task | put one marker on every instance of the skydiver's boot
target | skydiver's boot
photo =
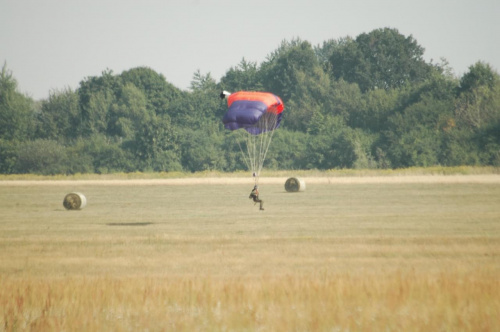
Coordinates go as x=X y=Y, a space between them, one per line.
x=262 y=205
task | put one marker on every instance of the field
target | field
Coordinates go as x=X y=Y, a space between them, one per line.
x=406 y=253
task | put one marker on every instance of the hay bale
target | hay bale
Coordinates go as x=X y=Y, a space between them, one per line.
x=294 y=185
x=74 y=201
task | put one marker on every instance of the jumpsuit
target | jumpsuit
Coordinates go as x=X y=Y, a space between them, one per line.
x=255 y=196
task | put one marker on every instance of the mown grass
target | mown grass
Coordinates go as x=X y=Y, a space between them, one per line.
x=344 y=257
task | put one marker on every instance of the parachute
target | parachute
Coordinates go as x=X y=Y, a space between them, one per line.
x=257 y=114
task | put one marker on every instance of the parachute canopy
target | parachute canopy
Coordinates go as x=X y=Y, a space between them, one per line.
x=256 y=112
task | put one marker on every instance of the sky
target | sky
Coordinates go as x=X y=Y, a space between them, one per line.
x=51 y=45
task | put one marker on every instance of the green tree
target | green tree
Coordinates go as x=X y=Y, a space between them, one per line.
x=156 y=145
x=382 y=59
x=200 y=107
x=106 y=155
x=423 y=114
x=202 y=150
x=288 y=150
x=16 y=110
x=8 y=156
x=58 y=117
x=233 y=151
x=372 y=113
x=344 y=100
x=128 y=112
x=79 y=158
x=96 y=96
x=488 y=141
x=313 y=93
x=479 y=74
x=244 y=76
x=416 y=146
x=325 y=51
x=281 y=70
x=478 y=102
x=478 y=111
x=201 y=82
x=342 y=148
x=336 y=145
x=458 y=147
x=158 y=92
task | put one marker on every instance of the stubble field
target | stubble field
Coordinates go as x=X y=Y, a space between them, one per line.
x=350 y=254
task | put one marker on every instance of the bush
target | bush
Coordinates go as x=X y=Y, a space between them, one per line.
x=42 y=156
x=8 y=156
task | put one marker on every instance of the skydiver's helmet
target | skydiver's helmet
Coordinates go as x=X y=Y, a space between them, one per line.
x=256 y=187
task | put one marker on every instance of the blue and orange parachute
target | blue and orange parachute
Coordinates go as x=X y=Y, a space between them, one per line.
x=258 y=114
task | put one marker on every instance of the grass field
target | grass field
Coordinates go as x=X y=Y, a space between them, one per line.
x=350 y=255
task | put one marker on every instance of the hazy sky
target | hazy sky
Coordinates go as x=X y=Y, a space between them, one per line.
x=53 y=44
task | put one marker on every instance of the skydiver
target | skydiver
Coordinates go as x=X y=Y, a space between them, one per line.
x=255 y=196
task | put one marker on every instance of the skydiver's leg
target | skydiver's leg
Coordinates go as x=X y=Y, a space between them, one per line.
x=256 y=200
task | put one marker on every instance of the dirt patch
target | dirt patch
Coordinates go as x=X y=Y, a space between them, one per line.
x=133 y=224
x=486 y=179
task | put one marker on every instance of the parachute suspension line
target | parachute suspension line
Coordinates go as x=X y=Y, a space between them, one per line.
x=246 y=158
x=252 y=148
x=248 y=152
x=256 y=122
x=257 y=146
x=269 y=134
x=250 y=155
x=255 y=160
x=263 y=141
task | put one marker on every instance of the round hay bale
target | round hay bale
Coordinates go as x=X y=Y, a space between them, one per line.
x=294 y=185
x=74 y=201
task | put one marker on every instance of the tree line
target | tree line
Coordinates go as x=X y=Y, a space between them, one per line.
x=365 y=102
